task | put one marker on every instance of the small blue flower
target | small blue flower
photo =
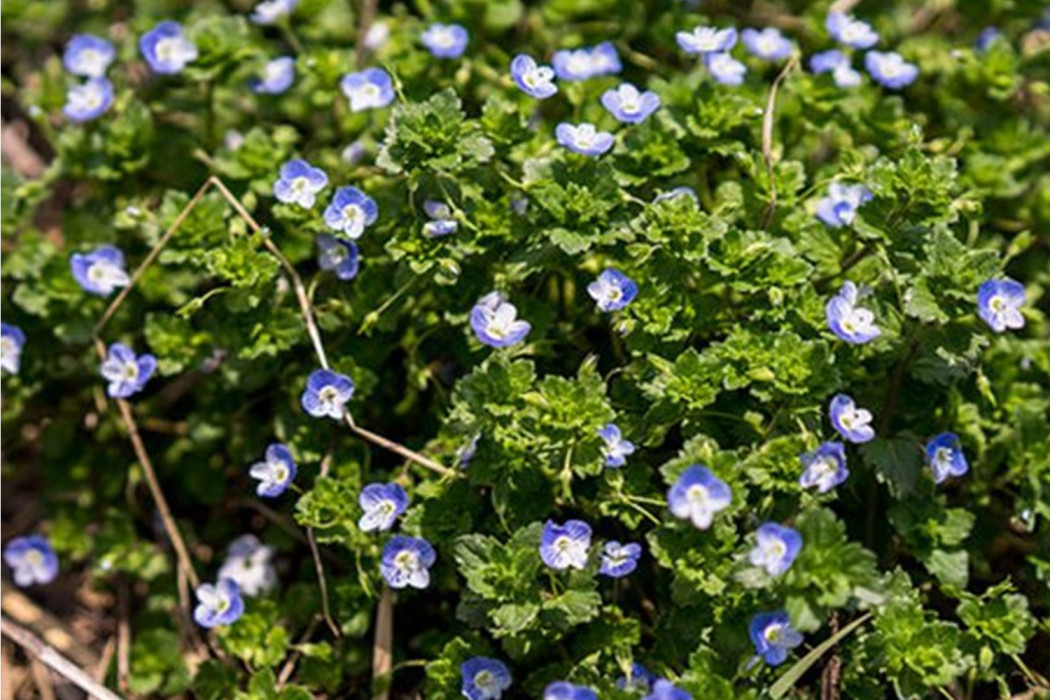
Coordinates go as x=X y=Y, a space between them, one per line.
x=31 y=560
x=838 y=64
x=88 y=55
x=446 y=40
x=640 y=678
x=337 y=255
x=999 y=303
x=584 y=63
x=605 y=60
x=773 y=636
x=725 y=69
x=277 y=76
x=533 y=79
x=248 y=564
x=368 y=89
x=100 y=271
x=275 y=473
x=986 y=38
x=767 y=43
x=704 y=40
x=616 y=449
x=350 y=212
x=776 y=547
x=299 y=182
x=849 y=31
x=683 y=191
x=563 y=690
x=495 y=322
x=824 y=467
x=629 y=105
x=850 y=322
x=219 y=604
x=584 y=139
x=466 y=453
x=613 y=290
x=382 y=504
x=852 y=423
x=166 y=50
x=565 y=546
x=273 y=11
x=890 y=70
x=664 y=689
x=326 y=394
x=406 y=562
x=12 y=340
x=945 y=456
x=698 y=495
x=353 y=153
x=89 y=100
x=126 y=372
x=484 y=678
x=441 y=223
x=618 y=560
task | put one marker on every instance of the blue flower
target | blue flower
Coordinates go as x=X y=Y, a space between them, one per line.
x=605 y=60
x=613 y=290
x=89 y=100
x=986 y=38
x=850 y=322
x=852 y=423
x=125 y=372
x=698 y=495
x=664 y=689
x=275 y=473
x=273 y=11
x=219 y=604
x=776 y=547
x=406 y=562
x=338 y=256
x=88 y=55
x=353 y=153
x=12 y=340
x=584 y=63
x=31 y=560
x=618 y=560
x=824 y=467
x=839 y=208
x=326 y=394
x=683 y=191
x=999 y=303
x=629 y=105
x=889 y=69
x=277 y=76
x=563 y=690
x=640 y=678
x=849 y=31
x=165 y=49
x=773 y=636
x=533 y=79
x=446 y=40
x=704 y=40
x=382 y=503
x=350 y=212
x=484 y=678
x=299 y=182
x=466 y=453
x=368 y=89
x=248 y=564
x=616 y=449
x=100 y=271
x=584 y=139
x=767 y=43
x=725 y=69
x=838 y=64
x=495 y=322
x=945 y=456
x=565 y=546
x=441 y=223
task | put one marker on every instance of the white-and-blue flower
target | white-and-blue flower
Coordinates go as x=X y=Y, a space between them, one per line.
x=587 y=62
x=534 y=79
x=12 y=340
x=382 y=504
x=441 y=222
x=663 y=689
x=565 y=546
x=218 y=604
x=725 y=69
x=406 y=562
x=773 y=636
x=849 y=31
x=629 y=105
x=299 y=183
x=484 y=678
x=350 y=212
x=326 y=394
x=32 y=560
x=838 y=64
x=126 y=372
x=697 y=495
x=986 y=38
x=640 y=678
x=776 y=547
x=166 y=49
x=584 y=138
x=277 y=76
x=840 y=207
x=850 y=322
x=767 y=43
x=890 y=70
x=945 y=456
x=89 y=100
x=88 y=55
x=999 y=303
x=674 y=193
x=337 y=255
x=616 y=448
x=706 y=40
x=824 y=468
x=564 y=690
x=273 y=11
x=466 y=452
x=618 y=560
x=371 y=88
x=248 y=564
x=849 y=421
x=446 y=40
x=495 y=322
x=613 y=290
x=276 y=472
x=101 y=271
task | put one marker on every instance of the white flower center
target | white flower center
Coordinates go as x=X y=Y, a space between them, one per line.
x=328 y=394
x=697 y=496
x=131 y=371
x=406 y=561
x=34 y=558
x=773 y=633
x=352 y=213
x=998 y=304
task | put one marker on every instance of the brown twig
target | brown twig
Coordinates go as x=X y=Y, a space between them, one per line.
x=123 y=637
x=20 y=608
x=18 y=153
x=831 y=678
x=383 y=646
x=767 y=137
x=293 y=658
x=315 y=552
x=368 y=13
